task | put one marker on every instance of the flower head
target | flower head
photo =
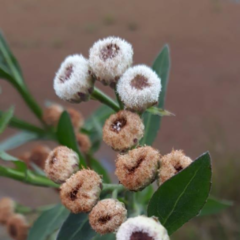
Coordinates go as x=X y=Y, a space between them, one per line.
x=81 y=191
x=139 y=88
x=61 y=163
x=107 y=216
x=123 y=130
x=83 y=142
x=76 y=118
x=73 y=82
x=18 y=227
x=38 y=156
x=109 y=59
x=172 y=164
x=142 y=228
x=138 y=168
x=51 y=114
x=7 y=206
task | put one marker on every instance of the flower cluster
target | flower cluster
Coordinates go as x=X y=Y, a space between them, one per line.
x=137 y=166
x=16 y=224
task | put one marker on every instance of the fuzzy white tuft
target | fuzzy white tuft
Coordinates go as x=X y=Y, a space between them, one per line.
x=109 y=58
x=73 y=82
x=142 y=224
x=139 y=88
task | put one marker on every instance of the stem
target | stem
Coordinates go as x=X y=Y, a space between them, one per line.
x=121 y=105
x=112 y=187
x=103 y=98
x=27 y=177
x=115 y=194
x=26 y=210
x=21 y=124
x=29 y=100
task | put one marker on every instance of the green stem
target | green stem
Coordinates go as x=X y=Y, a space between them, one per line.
x=27 y=177
x=112 y=187
x=29 y=100
x=120 y=103
x=103 y=98
x=21 y=124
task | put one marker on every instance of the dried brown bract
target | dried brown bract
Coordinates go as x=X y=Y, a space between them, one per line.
x=18 y=227
x=107 y=216
x=172 y=164
x=81 y=191
x=61 y=163
x=138 y=168
x=123 y=130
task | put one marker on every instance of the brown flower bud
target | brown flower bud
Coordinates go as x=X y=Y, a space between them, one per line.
x=123 y=130
x=52 y=114
x=83 y=142
x=107 y=216
x=39 y=155
x=18 y=227
x=7 y=207
x=142 y=228
x=61 y=163
x=172 y=164
x=76 y=118
x=138 y=168
x=81 y=191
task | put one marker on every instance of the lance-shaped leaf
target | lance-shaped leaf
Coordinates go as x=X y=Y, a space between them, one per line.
x=5 y=118
x=152 y=122
x=48 y=222
x=159 y=112
x=214 y=206
x=76 y=227
x=66 y=136
x=21 y=166
x=183 y=196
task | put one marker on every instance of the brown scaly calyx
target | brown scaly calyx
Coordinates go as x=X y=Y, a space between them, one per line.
x=140 y=82
x=138 y=168
x=81 y=191
x=107 y=216
x=172 y=164
x=110 y=51
x=123 y=130
x=140 y=236
x=67 y=74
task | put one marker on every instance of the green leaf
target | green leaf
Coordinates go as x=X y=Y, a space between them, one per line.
x=183 y=196
x=110 y=236
x=48 y=222
x=97 y=166
x=159 y=112
x=21 y=166
x=66 y=136
x=152 y=123
x=214 y=206
x=76 y=227
x=17 y=140
x=8 y=60
x=20 y=124
x=5 y=119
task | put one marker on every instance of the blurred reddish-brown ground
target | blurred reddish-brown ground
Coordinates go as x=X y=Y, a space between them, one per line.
x=204 y=84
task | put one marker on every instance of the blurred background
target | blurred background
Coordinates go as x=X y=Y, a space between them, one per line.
x=203 y=90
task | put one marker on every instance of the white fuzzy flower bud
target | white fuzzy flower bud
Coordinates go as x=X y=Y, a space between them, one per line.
x=109 y=59
x=61 y=163
x=73 y=82
x=139 y=88
x=142 y=228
